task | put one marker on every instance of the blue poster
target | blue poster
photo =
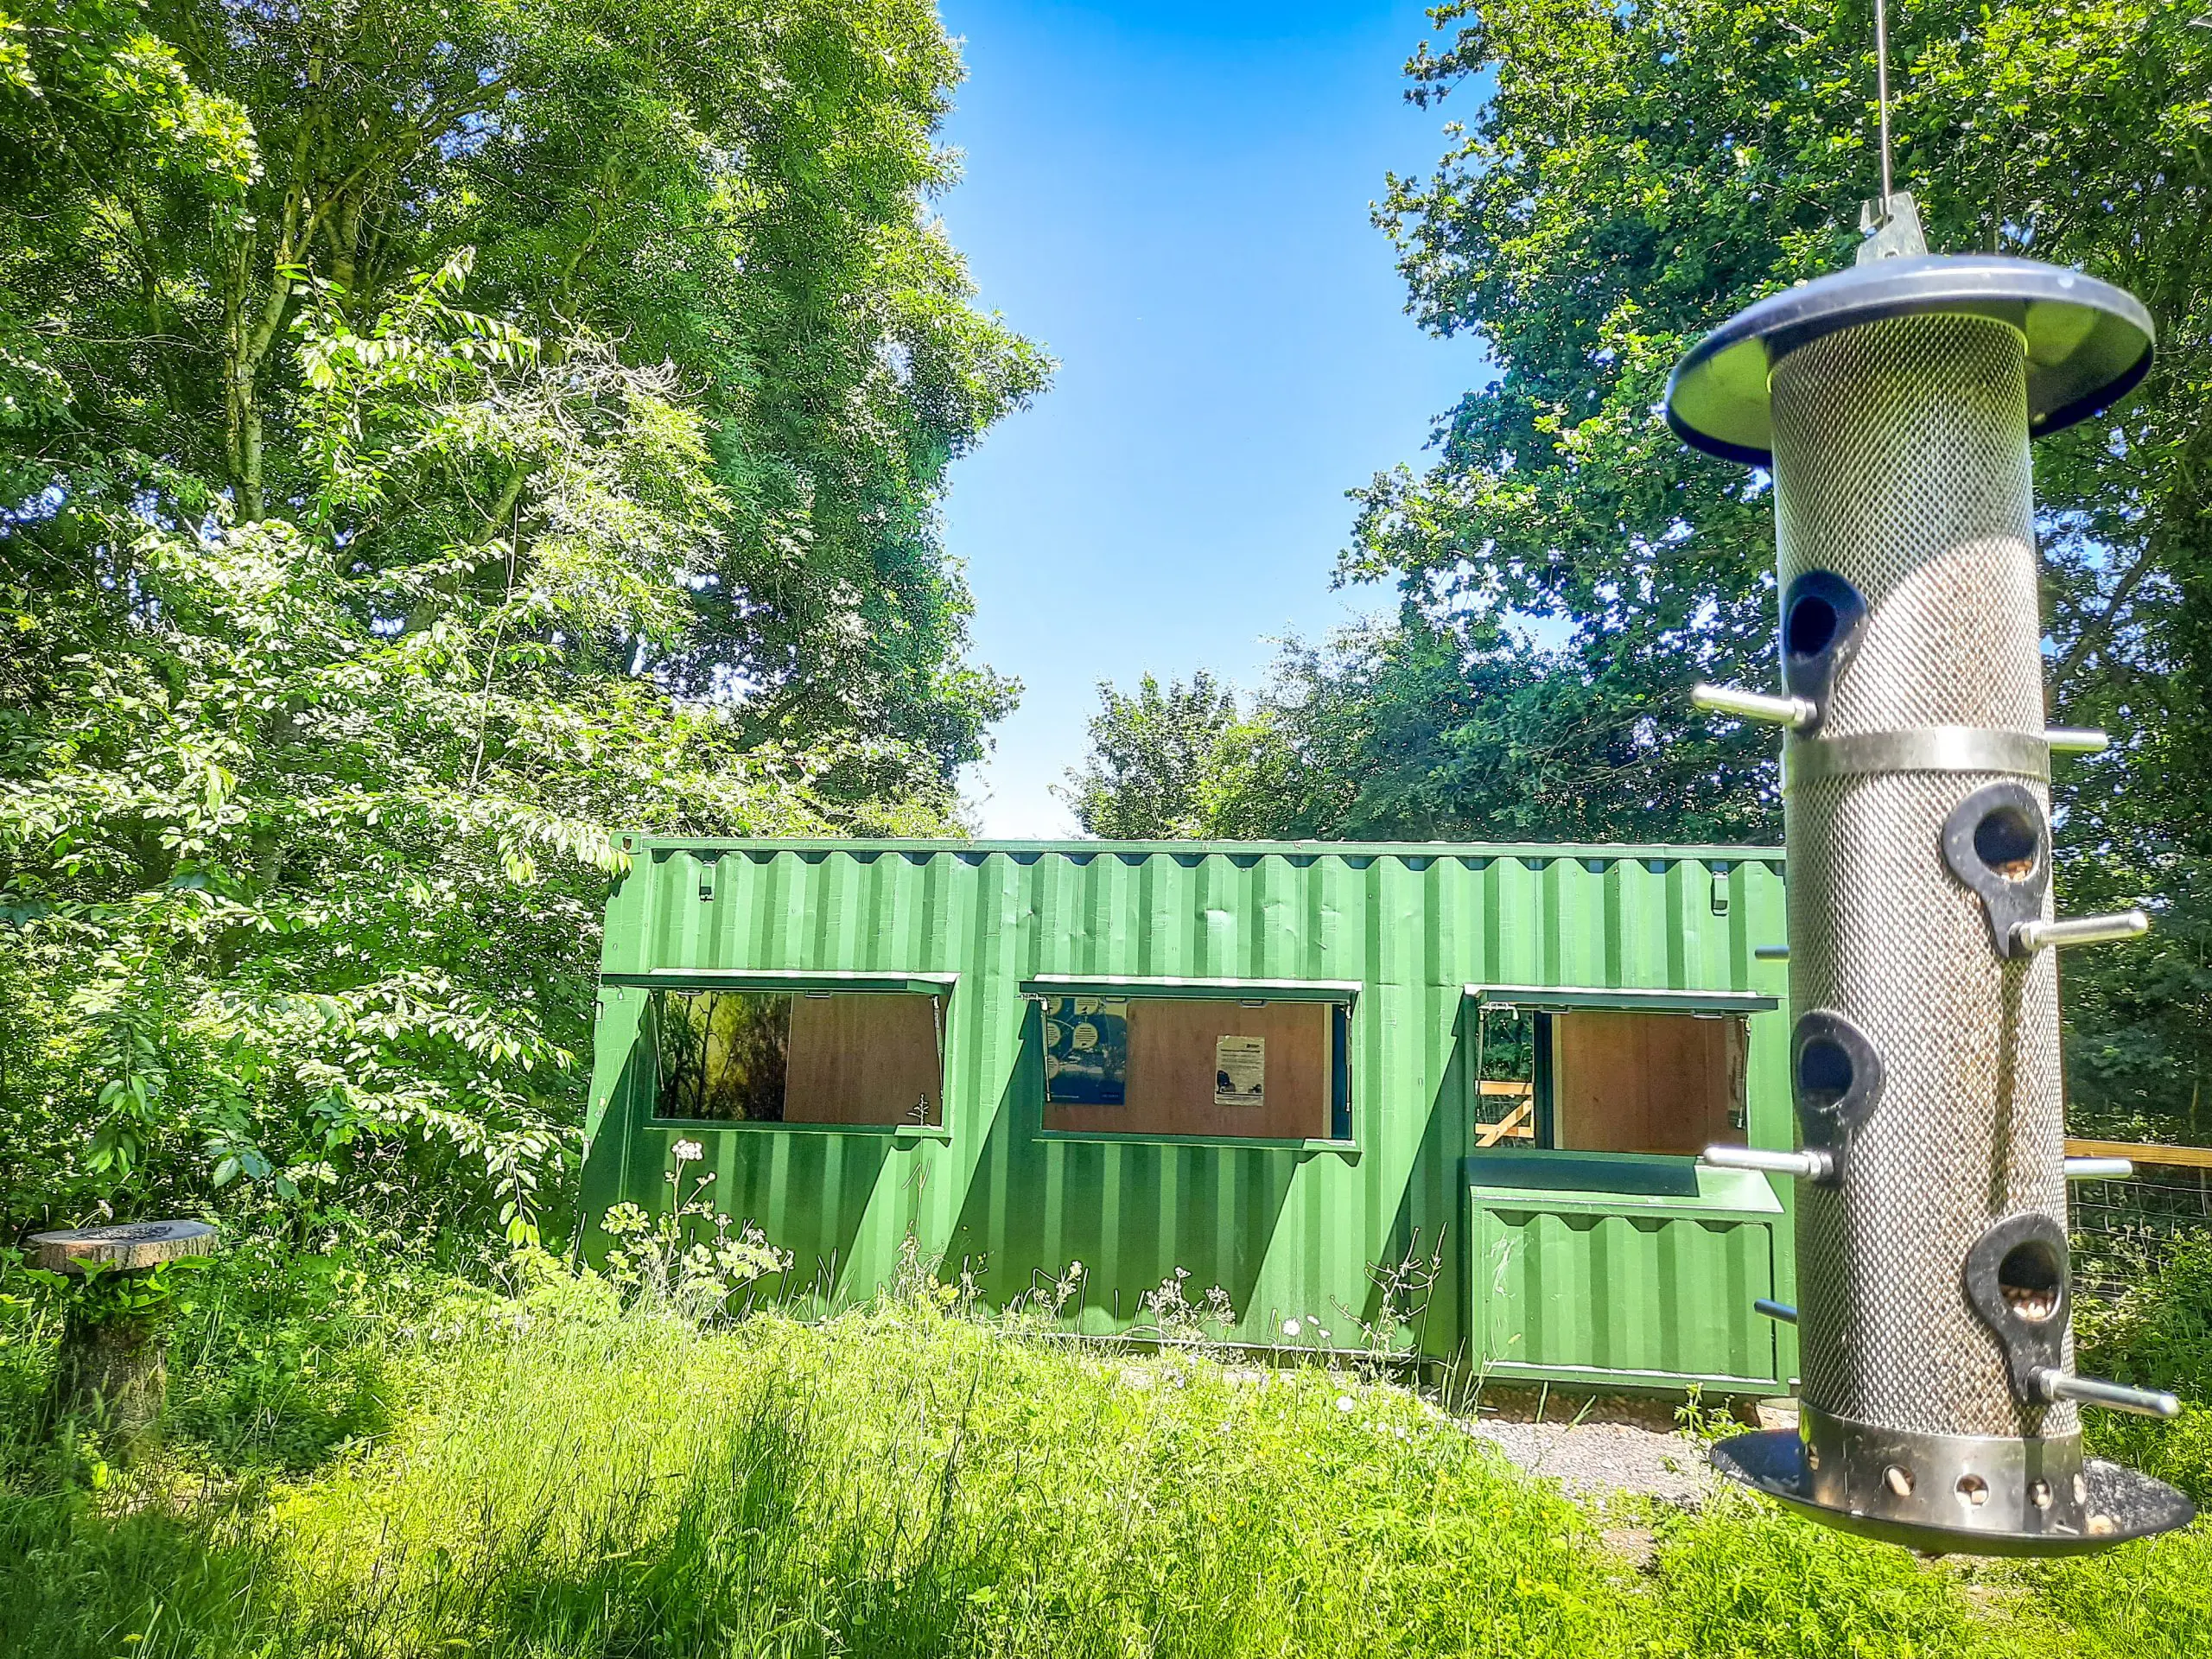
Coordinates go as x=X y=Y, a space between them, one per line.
x=1086 y=1050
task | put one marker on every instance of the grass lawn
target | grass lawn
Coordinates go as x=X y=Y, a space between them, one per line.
x=395 y=1468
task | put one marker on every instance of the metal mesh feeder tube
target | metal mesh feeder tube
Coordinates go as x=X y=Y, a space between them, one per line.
x=1895 y=404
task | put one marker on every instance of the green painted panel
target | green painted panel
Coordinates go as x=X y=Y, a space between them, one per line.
x=1288 y=1229
x=1626 y=1298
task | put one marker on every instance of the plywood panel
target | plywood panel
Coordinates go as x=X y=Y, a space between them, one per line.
x=864 y=1058
x=1170 y=1072
x=1651 y=1083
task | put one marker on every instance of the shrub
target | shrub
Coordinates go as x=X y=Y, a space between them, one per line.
x=2158 y=1335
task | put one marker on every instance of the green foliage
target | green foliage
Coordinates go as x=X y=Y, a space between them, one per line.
x=2158 y=1335
x=275 y=1359
x=280 y=1359
x=736 y=197
x=2139 y=1022
x=310 y=890
x=2153 y=1600
x=88 y=90
x=1152 y=755
x=580 y=1481
x=555 y=1472
x=1743 y=1581
x=1640 y=172
x=2143 y=1601
x=101 y=1293
x=344 y=616
x=1399 y=732
x=2159 y=1332
x=689 y=1256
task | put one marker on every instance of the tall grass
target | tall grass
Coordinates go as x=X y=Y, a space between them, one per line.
x=556 y=1476
x=2159 y=1335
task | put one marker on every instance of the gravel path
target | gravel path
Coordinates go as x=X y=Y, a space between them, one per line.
x=1598 y=1459
x=1619 y=1445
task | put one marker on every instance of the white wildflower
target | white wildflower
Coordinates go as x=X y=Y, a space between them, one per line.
x=1344 y=1402
x=688 y=1152
x=1291 y=1327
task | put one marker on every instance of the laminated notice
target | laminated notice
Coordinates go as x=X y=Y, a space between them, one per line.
x=1240 y=1071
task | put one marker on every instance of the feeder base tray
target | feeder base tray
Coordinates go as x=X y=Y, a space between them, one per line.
x=2134 y=1505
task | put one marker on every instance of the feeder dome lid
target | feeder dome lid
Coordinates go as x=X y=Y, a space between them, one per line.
x=2088 y=342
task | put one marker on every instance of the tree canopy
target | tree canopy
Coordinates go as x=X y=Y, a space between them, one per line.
x=1152 y=754
x=432 y=436
x=1632 y=175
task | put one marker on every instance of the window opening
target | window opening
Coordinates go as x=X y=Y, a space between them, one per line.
x=1248 y=1068
x=1506 y=1105
x=813 y=1056
x=1609 y=1079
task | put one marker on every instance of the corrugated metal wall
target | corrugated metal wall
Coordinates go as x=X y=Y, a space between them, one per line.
x=1562 y=1289
x=1288 y=1230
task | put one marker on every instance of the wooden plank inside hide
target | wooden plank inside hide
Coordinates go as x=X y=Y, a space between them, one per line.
x=864 y=1058
x=1646 y=1082
x=1519 y=1124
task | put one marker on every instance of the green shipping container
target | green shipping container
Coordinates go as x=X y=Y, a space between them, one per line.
x=1284 y=1070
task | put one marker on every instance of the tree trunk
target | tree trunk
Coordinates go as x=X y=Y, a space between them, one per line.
x=241 y=389
x=111 y=1374
x=254 y=322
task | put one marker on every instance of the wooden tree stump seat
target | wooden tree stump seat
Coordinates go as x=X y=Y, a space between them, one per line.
x=130 y=1245
x=111 y=1368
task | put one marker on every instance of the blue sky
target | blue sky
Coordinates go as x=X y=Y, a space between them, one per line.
x=1174 y=200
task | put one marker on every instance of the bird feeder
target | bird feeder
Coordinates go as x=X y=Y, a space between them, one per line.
x=1894 y=404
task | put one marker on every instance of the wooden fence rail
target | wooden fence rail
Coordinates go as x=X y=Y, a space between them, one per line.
x=2144 y=1151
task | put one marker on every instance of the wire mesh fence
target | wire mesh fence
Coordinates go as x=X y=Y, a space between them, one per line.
x=2122 y=1227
